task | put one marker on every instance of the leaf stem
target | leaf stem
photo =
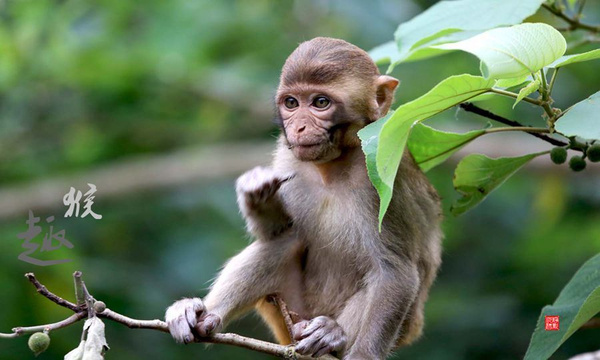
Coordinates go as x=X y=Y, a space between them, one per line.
x=580 y=9
x=514 y=95
x=518 y=128
x=552 y=79
x=544 y=86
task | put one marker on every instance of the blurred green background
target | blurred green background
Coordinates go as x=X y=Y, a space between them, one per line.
x=162 y=105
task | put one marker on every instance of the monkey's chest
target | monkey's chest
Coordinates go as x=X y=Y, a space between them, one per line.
x=337 y=231
x=341 y=220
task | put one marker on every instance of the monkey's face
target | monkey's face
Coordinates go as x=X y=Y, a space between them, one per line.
x=314 y=122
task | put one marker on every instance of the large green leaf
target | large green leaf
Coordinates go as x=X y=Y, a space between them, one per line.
x=369 y=137
x=582 y=119
x=447 y=17
x=477 y=175
x=578 y=302
x=513 y=51
x=431 y=147
x=575 y=58
x=394 y=133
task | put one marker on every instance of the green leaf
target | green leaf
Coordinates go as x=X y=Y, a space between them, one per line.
x=582 y=119
x=477 y=175
x=395 y=131
x=385 y=53
x=431 y=147
x=525 y=91
x=575 y=58
x=369 y=137
x=513 y=51
x=512 y=82
x=446 y=17
x=578 y=302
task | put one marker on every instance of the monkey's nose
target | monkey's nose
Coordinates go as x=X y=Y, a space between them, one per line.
x=301 y=128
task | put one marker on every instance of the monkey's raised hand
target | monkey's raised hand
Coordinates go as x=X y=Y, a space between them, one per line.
x=188 y=319
x=319 y=336
x=257 y=188
x=260 y=204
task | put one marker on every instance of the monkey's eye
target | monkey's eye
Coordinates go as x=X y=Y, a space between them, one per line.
x=321 y=102
x=290 y=102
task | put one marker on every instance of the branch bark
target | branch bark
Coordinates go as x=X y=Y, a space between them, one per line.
x=470 y=107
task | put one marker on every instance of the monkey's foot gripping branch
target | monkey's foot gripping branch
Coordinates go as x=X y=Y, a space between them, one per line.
x=88 y=307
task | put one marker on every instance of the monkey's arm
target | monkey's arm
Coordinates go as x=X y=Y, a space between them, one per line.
x=261 y=269
x=257 y=271
x=260 y=202
x=373 y=316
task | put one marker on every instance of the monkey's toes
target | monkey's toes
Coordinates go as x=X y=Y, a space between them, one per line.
x=319 y=336
x=208 y=325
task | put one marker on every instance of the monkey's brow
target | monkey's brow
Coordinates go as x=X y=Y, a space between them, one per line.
x=304 y=88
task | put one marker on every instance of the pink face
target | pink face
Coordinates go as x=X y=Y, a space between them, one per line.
x=308 y=116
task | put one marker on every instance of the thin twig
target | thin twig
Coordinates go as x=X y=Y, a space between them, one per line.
x=134 y=323
x=278 y=301
x=470 y=107
x=21 y=330
x=573 y=23
x=79 y=295
x=41 y=289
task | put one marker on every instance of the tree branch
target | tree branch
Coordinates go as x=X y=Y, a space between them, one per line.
x=81 y=312
x=41 y=289
x=574 y=23
x=18 y=331
x=470 y=107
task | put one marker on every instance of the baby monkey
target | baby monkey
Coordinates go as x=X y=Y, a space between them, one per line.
x=313 y=214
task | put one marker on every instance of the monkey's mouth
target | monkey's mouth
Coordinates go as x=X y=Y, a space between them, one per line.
x=309 y=151
x=307 y=146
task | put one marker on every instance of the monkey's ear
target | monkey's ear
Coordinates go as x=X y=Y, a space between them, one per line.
x=385 y=87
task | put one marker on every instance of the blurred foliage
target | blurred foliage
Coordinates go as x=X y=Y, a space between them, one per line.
x=88 y=83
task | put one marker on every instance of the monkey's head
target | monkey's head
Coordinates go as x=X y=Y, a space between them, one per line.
x=328 y=90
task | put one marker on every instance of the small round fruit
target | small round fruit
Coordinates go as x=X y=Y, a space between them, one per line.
x=99 y=306
x=593 y=153
x=38 y=342
x=577 y=163
x=558 y=155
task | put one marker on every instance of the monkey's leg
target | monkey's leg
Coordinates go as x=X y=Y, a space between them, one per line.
x=257 y=271
x=373 y=316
